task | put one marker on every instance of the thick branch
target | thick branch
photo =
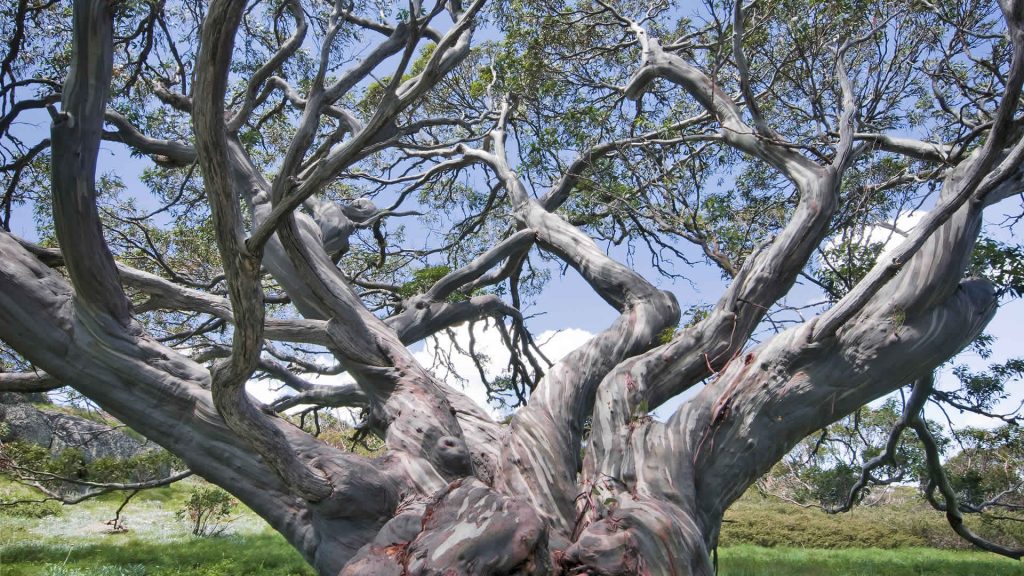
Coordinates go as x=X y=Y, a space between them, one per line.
x=165 y=396
x=697 y=352
x=480 y=265
x=261 y=75
x=954 y=515
x=911 y=411
x=963 y=185
x=165 y=152
x=918 y=149
x=659 y=64
x=75 y=137
x=309 y=393
x=546 y=433
x=791 y=385
x=241 y=267
x=410 y=404
x=28 y=382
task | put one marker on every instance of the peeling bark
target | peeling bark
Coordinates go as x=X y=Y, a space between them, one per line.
x=455 y=492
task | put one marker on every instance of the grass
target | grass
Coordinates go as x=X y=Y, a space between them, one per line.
x=748 y=560
x=265 y=554
x=762 y=537
x=77 y=542
x=905 y=522
x=269 y=554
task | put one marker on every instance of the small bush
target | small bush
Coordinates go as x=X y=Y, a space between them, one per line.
x=142 y=467
x=208 y=510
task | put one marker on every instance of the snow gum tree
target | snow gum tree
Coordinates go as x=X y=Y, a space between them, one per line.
x=291 y=145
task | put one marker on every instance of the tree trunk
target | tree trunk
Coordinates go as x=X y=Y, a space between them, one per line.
x=457 y=493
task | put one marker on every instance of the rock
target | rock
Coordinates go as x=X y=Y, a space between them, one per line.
x=59 y=431
x=95 y=440
x=24 y=422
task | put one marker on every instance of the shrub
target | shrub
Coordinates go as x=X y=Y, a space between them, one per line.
x=141 y=467
x=208 y=510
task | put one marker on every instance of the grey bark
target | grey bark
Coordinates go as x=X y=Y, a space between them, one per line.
x=456 y=492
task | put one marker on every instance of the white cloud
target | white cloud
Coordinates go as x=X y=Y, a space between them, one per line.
x=890 y=233
x=446 y=354
x=444 y=349
x=267 y=390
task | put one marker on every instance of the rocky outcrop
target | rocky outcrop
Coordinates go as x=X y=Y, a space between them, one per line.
x=58 y=431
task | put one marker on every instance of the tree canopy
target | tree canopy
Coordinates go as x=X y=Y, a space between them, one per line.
x=325 y=184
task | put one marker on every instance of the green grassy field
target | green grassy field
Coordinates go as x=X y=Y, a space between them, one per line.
x=269 y=555
x=759 y=561
x=77 y=543
x=258 y=555
x=905 y=521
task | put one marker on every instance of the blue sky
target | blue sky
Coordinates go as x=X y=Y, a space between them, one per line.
x=568 y=304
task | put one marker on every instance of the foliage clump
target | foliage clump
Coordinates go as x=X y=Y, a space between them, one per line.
x=208 y=511
x=58 y=472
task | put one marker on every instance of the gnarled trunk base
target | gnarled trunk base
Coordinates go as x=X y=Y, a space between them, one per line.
x=470 y=529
